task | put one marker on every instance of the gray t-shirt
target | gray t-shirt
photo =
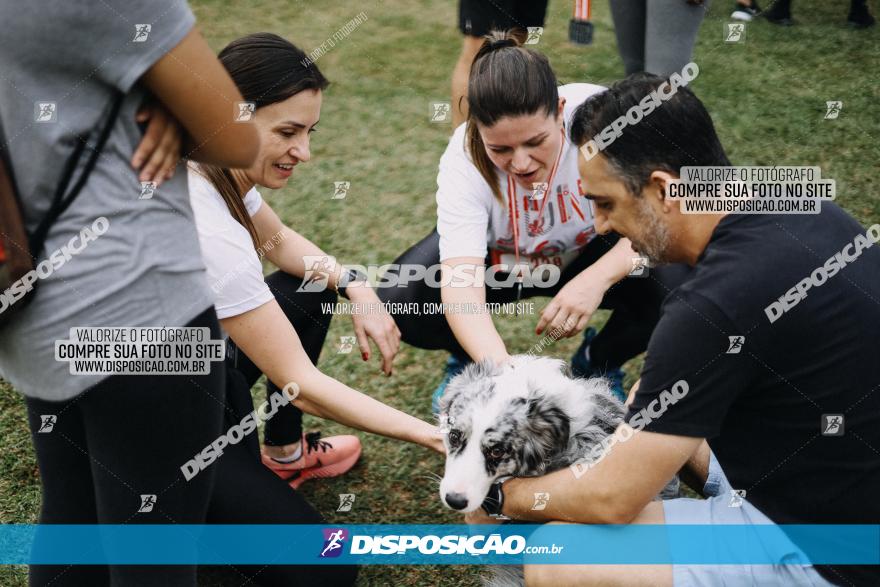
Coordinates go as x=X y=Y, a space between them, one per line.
x=146 y=270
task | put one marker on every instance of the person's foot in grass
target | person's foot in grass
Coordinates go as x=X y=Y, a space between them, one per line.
x=859 y=15
x=745 y=10
x=581 y=366
x=454 y=366
x=779 y=13
x=316 y=458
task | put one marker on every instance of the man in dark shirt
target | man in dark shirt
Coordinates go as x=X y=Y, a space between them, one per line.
x=762 y=377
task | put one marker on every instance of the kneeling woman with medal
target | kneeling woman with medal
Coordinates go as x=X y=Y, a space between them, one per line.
x=513 y=222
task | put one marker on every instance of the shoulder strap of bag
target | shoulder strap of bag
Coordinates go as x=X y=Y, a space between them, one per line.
x=15 y=259
x=60 y=201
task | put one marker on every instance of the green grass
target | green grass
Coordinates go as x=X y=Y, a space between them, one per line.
x=767 y=97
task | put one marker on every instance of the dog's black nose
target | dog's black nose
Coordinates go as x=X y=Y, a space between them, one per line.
x=456 y=501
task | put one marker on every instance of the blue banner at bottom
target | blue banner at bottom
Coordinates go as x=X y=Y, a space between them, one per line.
x=439 y=544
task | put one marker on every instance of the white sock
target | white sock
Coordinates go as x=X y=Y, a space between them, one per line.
x=294 y=457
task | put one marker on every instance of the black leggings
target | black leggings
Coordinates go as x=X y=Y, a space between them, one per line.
x=303 y=309
x=129 y=436
x=635 y=303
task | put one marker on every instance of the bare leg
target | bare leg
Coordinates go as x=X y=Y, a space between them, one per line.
x=610 y=575
x=696 y=469
x=282 y=452
x=460 y=78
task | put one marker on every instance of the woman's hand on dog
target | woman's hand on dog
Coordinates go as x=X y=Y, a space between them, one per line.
x=378 y=326
x=435 y=441
x=158 y=153
x=570 y=310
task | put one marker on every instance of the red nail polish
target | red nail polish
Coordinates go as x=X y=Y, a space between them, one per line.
x=365 y=356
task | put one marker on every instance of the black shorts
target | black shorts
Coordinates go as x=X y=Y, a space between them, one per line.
x=478 y=17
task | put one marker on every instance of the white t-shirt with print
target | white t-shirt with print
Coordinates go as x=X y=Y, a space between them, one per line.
x=235 y=274
x=471 y=221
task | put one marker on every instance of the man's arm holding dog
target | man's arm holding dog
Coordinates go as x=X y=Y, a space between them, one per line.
x=616 y=489
x=613 y=491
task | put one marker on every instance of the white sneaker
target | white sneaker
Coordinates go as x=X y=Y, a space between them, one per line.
x=745 y=13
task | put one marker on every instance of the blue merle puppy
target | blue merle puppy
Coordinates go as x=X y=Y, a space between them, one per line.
x=522 y=419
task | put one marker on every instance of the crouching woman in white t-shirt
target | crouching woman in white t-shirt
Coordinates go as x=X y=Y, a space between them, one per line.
x=275 y=327
x=509 y=193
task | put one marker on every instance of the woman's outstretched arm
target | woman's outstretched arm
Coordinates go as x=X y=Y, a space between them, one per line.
x=265 y=335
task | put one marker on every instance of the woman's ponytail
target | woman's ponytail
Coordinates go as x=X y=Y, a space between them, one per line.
x=506 y=79
x=224 y=182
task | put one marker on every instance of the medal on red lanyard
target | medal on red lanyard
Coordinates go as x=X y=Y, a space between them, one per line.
x=513 y=210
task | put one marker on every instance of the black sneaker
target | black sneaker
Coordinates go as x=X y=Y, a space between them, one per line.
x=745 y=13
x=859 y=16
x=779 y=14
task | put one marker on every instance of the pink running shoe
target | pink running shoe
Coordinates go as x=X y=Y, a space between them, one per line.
x=321 y=458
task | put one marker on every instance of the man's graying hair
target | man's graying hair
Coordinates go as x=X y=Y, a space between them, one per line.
x=678 y=133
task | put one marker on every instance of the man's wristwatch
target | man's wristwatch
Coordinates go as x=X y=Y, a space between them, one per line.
x=495 y=501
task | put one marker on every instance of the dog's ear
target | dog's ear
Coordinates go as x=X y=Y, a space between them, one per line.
x=546 y=432
x=474 y=382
